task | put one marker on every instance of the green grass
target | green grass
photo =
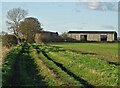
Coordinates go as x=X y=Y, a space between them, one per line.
x=7 y=66
x=56 y=76
x=19 y=68
x=107 y=51
x=93 y=70
x=35 y=68
x=63 y=77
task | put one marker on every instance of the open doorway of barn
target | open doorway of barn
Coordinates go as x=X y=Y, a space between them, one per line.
x=83 y=37
x=103 y=37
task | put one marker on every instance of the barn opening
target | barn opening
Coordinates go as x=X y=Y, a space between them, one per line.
x=103 y=37
x=83 y=37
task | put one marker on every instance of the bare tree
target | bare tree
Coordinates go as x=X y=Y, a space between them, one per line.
x=14 y=16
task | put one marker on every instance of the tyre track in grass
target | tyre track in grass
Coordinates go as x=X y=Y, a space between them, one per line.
x=22 y=75
x=14 y=79
x=58 y=76
x=82 y=81
x=87 y=53
x=30 y=73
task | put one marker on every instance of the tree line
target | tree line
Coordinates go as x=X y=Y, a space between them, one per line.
x=23 y=28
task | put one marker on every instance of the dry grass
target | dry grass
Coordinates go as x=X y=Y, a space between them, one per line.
x=3 y=52
x=0 y=55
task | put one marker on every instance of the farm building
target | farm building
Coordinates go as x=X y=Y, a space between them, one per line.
x=46 y=36
x=92 y=35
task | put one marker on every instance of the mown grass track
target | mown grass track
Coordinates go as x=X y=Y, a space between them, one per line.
x=14 y=79
x=82 y=81
x=22 y=72
x=28 y=70
x=38 y=65
x=61 y=75
x=95 y=71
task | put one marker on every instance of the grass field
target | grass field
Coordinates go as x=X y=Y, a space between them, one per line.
x=106 y=51
x=62 y=64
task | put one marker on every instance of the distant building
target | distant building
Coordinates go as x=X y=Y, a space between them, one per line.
x=46 y=36
x=93 y=35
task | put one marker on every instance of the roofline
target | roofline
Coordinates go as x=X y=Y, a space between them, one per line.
x=92 y=32
x=46 y=32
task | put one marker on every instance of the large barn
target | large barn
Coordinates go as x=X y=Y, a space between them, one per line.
x=93 y=35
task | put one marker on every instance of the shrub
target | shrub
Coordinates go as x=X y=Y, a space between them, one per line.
x=9 y=40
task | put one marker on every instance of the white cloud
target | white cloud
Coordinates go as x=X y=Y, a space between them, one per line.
x=103 y=6
x=93 y=5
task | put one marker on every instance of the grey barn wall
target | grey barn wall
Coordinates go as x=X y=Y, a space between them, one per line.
x=91 y=36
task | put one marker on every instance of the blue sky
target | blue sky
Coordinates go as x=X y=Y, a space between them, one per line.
x=66 y=16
